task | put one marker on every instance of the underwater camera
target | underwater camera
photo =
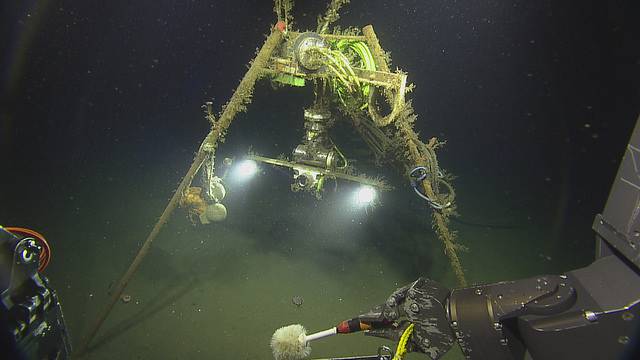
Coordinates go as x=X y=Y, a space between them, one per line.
x=31 y=321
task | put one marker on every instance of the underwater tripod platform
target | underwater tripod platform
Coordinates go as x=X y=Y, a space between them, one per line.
x=350 y=73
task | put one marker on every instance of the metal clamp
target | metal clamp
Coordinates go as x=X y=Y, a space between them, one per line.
x=417 y=176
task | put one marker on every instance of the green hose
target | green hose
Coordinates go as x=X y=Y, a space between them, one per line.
x=365 y=62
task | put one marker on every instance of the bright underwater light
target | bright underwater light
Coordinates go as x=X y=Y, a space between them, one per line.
x=365 y=196
x=245 y=170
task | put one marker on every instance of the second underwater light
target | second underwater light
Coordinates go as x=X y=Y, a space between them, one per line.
x=245 y=170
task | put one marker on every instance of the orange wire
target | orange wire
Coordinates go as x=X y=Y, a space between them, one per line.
x=45 y=256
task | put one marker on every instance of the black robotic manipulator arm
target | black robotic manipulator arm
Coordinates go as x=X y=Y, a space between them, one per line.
x=588 y=313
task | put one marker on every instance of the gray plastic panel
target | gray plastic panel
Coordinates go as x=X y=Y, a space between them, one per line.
x=619 y=224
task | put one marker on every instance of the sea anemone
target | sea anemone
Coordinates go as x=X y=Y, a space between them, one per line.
x=297 y=300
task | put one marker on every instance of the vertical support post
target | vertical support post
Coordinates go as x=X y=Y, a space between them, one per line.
x=440 y=220
x=397 y=101
x=240 y=98
x=411 y=139
x=376 y=49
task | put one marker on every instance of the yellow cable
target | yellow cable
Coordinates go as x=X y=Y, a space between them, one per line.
x=330 y=56
x=402 y=344
x=344 y=81
x=347 y=65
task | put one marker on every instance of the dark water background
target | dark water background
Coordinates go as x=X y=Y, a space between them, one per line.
x=101 y=116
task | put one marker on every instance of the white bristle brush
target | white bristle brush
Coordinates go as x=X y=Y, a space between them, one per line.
x=292 y=342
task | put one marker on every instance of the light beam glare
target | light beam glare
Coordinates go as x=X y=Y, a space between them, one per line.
x=365 y=196
x=245 y=170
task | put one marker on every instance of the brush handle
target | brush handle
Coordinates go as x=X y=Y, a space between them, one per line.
x=321 y=334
